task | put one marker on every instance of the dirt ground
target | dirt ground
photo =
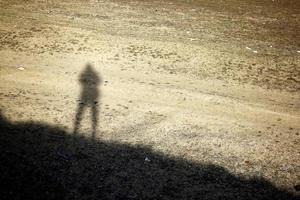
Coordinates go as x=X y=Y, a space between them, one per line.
x=208 y=83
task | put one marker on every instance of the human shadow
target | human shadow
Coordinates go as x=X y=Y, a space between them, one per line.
x=37 y=163
x=89 y=81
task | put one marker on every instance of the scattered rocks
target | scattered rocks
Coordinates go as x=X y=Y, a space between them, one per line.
x=254 y=51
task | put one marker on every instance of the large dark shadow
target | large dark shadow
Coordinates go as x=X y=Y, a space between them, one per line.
x=89 y=81
x=37 y=162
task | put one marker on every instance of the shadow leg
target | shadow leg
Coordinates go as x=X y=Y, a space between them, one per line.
x=95 y=113
x=78 y=118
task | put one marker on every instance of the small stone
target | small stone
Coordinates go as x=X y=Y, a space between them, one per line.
x=247 y=162
x=147 y=159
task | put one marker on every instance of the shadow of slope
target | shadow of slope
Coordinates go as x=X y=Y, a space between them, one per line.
x=39 y=161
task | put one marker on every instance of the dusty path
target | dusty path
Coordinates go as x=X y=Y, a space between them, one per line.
x=207 y=82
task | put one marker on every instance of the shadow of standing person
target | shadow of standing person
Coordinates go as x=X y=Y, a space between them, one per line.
x=90 y=82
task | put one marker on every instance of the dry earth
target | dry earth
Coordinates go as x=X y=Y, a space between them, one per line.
x=209 y=82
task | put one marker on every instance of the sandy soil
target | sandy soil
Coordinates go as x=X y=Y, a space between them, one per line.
x=210 y=82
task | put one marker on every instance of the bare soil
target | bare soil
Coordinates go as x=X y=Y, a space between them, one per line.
x=193 y=99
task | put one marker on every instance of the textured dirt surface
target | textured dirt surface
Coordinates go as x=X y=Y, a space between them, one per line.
x=205 y=82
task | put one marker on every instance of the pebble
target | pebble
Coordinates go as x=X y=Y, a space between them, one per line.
x=147 y=159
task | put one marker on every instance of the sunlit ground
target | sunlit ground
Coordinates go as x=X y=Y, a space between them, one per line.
x=149 y=100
